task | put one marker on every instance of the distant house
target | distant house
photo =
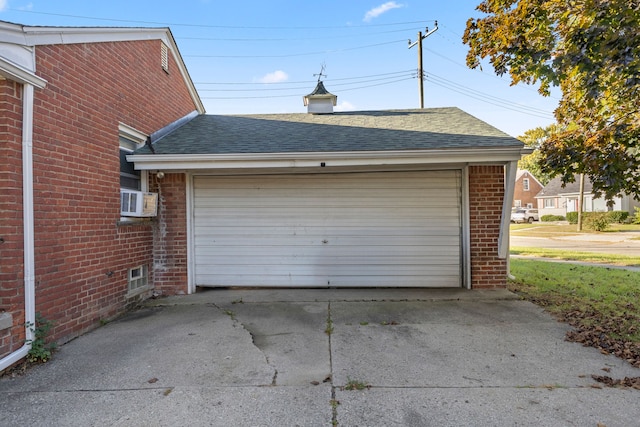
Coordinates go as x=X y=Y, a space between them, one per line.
x=554 y=199
x=73 y=103
x=525 y=190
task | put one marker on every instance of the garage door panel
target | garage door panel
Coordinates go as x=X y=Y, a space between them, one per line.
x=361 y=280
x=287 y=222
x=357 y=230
x=427 y=254
x=365 y=229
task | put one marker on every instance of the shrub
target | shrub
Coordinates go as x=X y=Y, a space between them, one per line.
x=572 y=217
x=618 y=216
x=551 y=218
x=636 y=217
x=598 y=221
x=41 y=350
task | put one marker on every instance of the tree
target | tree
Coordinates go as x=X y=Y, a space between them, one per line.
x=590 y=49
x=534 y=138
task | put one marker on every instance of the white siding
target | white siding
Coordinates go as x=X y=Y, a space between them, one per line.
x=355 y=229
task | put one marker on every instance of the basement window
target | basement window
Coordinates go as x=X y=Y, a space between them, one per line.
x=138 y=279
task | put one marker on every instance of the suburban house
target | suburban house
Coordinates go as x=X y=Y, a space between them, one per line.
x=74 y=102
x=115 y=185
x=556 y=199
x=525 y=190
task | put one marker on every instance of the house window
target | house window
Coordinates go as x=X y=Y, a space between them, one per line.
x=549 y=203
x=525 y=184
x=130 y=178
x=138 y=278
x=517 y=203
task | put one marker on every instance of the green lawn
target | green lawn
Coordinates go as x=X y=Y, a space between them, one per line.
x=602 y=304
x=624 y=260
x=550 y=229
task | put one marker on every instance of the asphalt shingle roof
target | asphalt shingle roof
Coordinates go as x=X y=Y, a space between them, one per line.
x=423 y=129
x=554 y=188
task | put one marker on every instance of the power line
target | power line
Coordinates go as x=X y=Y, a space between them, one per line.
x=290 y=55
x=241 y=27
x=282 y=39
x=307 y=81
x=297 y=95
x=489 y=99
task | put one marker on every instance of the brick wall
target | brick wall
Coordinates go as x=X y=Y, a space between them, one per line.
x=486 y=193
x=170 y=249
x=11 y=230
x=83 y=253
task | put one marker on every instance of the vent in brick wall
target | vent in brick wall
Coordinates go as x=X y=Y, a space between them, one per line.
x=164 y=57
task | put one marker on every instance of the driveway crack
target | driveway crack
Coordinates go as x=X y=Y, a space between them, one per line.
x=237 y=322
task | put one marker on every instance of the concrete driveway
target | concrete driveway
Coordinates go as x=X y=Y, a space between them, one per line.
x=287 y=357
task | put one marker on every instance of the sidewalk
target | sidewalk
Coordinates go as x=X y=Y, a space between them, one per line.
x=286 y=358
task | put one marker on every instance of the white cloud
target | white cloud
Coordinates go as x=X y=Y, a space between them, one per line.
x=345 y=106
x=379 y=10
x=3 y=5
x=275 y=77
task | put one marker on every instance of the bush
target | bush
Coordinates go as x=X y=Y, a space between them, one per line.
x=636 y=217
x=618 y=216
x=551 y=218
x=597 y=221
x=572 y=217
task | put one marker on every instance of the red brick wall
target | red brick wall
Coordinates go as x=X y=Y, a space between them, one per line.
x=486 y=193
x=11 y=231
x=83 y=254
x=170 y=251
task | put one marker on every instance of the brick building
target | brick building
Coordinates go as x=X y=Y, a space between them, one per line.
x=73 y=102
x=525 y=190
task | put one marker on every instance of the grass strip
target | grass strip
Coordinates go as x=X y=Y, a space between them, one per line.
x=601 y=303
x=600 y=258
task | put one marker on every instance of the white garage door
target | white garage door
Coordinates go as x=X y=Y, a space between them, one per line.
x=398 y=229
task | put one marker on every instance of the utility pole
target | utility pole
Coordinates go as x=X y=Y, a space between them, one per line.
x=580 y=201
x=420 y=69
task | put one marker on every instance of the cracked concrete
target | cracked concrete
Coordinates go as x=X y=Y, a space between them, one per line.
x=263 y=358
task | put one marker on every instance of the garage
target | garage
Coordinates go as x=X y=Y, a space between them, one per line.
x=366 y=229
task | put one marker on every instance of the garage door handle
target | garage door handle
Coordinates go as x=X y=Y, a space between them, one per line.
x=325 y=241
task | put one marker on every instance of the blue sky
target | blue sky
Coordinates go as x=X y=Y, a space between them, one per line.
x=248 y=57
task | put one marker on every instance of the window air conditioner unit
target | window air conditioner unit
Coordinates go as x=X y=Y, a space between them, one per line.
x=138 y=203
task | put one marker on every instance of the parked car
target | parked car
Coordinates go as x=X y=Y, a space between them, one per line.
x=524 y=215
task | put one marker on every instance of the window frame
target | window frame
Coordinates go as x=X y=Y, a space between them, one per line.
x=137 y=279
x=130 y=139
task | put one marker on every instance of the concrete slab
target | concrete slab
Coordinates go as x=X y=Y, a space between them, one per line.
x=486 y=407
x=264 y=357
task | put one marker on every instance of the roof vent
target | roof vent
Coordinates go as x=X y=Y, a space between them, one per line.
x=320 y=101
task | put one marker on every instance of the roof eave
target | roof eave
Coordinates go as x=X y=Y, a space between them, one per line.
x=314 y=159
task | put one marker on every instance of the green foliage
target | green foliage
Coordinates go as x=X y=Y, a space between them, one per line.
x=356 y=385
x=591 y=51
x=41 y=350
x=534 y=138
x=636 y=217
x=597 y=221
x=619 y=217
x=551 y=218
x=572 y=217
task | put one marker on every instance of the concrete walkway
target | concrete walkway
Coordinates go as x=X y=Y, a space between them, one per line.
x=287 y=357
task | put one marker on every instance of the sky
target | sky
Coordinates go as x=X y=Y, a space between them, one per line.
x=263 y=56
